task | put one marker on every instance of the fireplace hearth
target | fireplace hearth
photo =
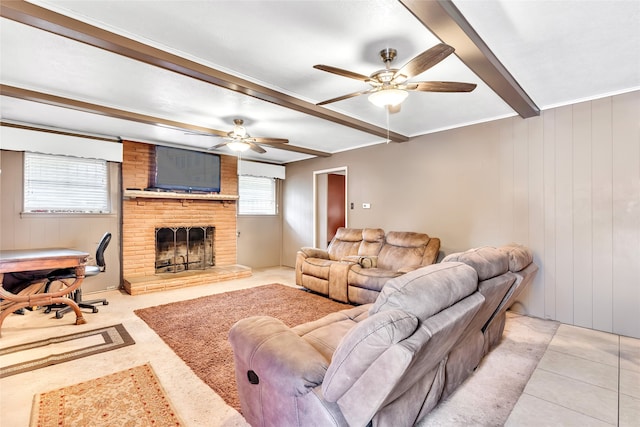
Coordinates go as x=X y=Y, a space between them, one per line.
x=184 y=248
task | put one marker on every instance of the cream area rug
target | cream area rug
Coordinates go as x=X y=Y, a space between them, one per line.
x=54 y=350
x=132 y=398
x=487 y=397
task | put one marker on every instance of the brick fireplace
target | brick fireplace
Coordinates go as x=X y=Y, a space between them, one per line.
x=143 y=213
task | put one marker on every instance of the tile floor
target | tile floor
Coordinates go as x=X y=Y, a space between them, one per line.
x=585 y=378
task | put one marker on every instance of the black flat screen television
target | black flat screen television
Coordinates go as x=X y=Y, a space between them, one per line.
x=185 y=170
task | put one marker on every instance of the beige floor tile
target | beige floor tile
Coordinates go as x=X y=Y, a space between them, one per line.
x=630 y=354
x=590 y=400
x=531 y=411
x=587 y=334
x=597 y=347
x=630 y=383
x=629 y=411
x=580 y=369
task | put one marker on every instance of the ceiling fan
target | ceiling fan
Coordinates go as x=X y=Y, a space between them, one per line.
x=239 y=140
x=389 y=86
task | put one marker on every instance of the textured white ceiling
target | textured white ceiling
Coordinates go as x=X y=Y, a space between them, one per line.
x=560 y=52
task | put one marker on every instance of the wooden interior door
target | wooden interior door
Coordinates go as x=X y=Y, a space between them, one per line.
x=335 y=204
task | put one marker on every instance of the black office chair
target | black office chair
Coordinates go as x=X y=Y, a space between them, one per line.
x=90 y=270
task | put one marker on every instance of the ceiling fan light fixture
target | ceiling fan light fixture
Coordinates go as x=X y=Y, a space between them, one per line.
x=388 y=97
x=239 y=146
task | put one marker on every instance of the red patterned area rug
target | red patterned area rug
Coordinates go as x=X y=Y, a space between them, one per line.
x=133 y=397
x=197 y=329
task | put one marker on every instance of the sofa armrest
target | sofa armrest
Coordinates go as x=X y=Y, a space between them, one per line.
x=431 y=252
x=365 y=261
x=268 y=352
x=314 y=252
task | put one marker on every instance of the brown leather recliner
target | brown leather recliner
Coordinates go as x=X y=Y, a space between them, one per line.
x=359 y=262
x=317 y=269
x=401 y=253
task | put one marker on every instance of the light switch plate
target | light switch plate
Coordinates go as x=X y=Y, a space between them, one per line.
x=366 y=206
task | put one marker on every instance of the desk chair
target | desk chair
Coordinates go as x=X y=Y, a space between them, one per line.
x=90 y=270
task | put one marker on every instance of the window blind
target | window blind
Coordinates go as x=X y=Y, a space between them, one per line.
x=257 y=195
x=63 y=184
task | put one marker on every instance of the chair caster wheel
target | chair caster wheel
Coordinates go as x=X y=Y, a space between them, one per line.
x=59 y=315
x=105 y=303
x=95 y=310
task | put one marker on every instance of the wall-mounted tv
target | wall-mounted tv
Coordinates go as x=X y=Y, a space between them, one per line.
x=186 y=170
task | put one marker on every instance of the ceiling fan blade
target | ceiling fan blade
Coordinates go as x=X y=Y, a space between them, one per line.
x=441 y=86
x=341 y=72
x=222 y=144
x=210 y=135
x=271 y=140
x=424 y=61
x=256 y=148
x=340 y=98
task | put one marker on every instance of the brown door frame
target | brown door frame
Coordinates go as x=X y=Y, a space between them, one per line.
x=316 y=174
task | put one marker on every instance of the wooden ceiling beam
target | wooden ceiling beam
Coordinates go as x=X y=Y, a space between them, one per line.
x=445 y=21
x=87 y=107
x=56 y=23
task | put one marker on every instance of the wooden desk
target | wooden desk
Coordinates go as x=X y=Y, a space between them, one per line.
x=12 y=261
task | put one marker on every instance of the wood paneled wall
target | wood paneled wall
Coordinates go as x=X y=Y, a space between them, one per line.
x=567 y=184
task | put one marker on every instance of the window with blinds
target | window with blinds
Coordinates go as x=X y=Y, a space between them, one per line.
x=62 y=184
x=257 y=195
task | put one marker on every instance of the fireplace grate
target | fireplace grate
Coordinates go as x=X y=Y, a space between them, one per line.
x=184 y=248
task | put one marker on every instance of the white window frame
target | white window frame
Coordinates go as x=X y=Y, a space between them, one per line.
x=65 y=185
x=261 y=207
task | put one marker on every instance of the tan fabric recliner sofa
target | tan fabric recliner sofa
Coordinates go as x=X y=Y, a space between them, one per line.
x=358 y=262
x=387 y=363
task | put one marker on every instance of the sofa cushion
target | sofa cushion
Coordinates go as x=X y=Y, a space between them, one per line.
x=407 y=239
x=427 y=290
x=372 y=241
x=402 y=250
x=346 y=242
x=317 y=267
x=361 y=346
x=519 y=256
x=370 y=278
x=487 y=261
x=325 y=334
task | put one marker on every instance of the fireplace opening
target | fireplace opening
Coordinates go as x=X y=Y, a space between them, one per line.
x=184 y=248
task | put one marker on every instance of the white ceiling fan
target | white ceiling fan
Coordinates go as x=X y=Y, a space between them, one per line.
x=239 y=140
x=389 y=86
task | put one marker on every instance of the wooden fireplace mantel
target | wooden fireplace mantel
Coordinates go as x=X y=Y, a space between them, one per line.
x=134 y=194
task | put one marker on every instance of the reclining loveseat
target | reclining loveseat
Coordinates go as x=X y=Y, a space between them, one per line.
x=358 y=262
x=387 y=363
